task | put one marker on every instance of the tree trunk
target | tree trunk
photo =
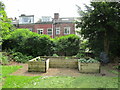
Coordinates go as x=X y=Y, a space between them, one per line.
x=106 y=43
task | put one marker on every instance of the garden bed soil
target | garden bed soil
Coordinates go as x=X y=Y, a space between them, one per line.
x=60 y=72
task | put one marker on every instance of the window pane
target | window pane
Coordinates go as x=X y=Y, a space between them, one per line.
x=49 y=31
x=57 y=30
x=25 y=19
x=67 y=30
x=40 y=31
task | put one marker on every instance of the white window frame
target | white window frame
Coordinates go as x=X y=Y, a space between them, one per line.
x=68 y=30
x=49 y=31
x=41 y=31
x=57 y=29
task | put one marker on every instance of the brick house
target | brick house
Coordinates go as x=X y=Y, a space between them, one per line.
x=44 y=28
x=26 y=21
x=51 y=26
x=63 y=26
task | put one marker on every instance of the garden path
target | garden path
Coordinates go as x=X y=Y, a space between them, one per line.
x=59 y=72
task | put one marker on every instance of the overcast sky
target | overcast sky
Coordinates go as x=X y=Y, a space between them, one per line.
x=66 y=8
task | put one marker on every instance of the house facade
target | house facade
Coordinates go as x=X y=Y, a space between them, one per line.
x=54 y=27
x=44 y=28
x=63 y=26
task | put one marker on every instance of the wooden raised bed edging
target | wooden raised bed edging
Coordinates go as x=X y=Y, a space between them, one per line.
x=62 y=62
x=38 y=66
x=89 y=67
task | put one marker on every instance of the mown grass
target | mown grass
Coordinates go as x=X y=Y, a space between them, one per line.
x=61 y=82
x=17 y=81
x=12 y=81
x=6 y=70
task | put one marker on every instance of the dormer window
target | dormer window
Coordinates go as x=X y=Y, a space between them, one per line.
x=25 y=19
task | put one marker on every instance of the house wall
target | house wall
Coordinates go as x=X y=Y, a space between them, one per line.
x=27 y=26
x=26 y=19
x=62 y=25
x=43 y=26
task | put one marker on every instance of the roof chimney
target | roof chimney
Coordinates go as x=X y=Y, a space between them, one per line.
x=56 y=15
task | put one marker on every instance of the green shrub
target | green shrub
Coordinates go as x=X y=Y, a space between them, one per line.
x=29 y=43
x=80 y=55
x=67 y=45
x=39 y=46
x=55 y=55
x=19 y=57
x=4 y=59
x=16 y=39
x=87 y=60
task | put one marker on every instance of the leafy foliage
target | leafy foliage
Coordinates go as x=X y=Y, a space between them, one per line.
x=55 y=55
x=89 y=60
x=67 y=45
x=38 y=46
x=28 y=43
x=4 y=59
x=100 y=24
x=15 y=40
x=19 y=57
x=80 y=55
x=5 y=24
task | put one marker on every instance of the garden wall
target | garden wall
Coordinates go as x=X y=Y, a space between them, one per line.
x=62 y=62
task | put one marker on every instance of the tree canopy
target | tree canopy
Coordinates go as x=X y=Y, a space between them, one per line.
x=100 y=24
x=5 y=23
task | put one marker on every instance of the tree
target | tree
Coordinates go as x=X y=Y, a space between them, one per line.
x=100 y=24
x=5 y=24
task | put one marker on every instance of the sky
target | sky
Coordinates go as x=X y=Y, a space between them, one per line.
x=39 y=8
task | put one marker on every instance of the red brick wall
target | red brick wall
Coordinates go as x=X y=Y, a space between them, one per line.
x=45 y=26
x=27 y=26
x=42 y=26
x=62 y=25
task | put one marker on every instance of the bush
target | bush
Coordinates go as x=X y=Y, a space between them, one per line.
x=16 y=39
x=28 y=43
x=4 y=59
x=67 y=45
x=55 y=55
x=87 y=60
x=80 y=55
x=19 y=57
x=39 y=46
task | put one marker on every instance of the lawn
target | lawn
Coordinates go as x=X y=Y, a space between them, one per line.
x=56 y=81
x=6 y=70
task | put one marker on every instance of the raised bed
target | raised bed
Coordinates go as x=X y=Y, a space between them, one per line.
x=38 y=65
x=89 y=67
x=62 y=62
